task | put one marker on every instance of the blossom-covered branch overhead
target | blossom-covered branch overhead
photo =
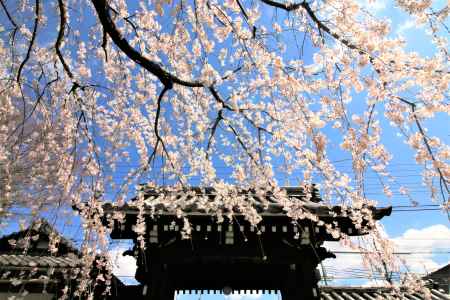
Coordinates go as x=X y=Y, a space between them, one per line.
x=233 y=95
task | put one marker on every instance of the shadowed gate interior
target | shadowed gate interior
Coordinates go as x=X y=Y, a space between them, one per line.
x=281 y=253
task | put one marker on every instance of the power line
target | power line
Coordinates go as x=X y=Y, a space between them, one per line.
x=395 y=253
x=421 y=205
x=414 y=210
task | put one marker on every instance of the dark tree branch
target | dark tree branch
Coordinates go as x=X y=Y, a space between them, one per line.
x=214 y=128
x=60 y=38
x=159 y=140
x=427 y=145
x=127 y=19
x=325 y=28
x=232 y=73
x=253 y=27
x=443 y=182
x=10 y=18
x=219 y=99
x=284 y=6
x=33 y=38
x=109 y=27
x=166 y=78
x=229 y=108
x=320 y=25
x=220 y=117
x=12 y=34
x=241 y=142
x=39 y=98
x=105 y=44
x=208 y=5
x=40 y=95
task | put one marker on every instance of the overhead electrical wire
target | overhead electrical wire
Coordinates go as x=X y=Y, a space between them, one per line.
x=396 y=253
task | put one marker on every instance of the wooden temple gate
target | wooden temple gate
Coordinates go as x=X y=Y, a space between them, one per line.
x=279 y=254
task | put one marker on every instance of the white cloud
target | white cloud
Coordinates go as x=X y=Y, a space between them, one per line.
x=123 y=266
x=425 y=240
x=374 y=6
x=405 y=26
x=343 y=263
x=416 y=244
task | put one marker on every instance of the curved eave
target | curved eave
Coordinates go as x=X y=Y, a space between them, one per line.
x=272 y=210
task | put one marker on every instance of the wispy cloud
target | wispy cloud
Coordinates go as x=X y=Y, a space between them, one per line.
x=124 y=267
x=416 y=247
x=374 y=6
x=405 y=26
x=423 y=242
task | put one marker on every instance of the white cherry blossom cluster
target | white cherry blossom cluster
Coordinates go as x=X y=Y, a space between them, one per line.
x=231 y=95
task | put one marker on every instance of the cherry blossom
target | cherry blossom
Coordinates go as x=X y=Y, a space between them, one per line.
x=172 y=93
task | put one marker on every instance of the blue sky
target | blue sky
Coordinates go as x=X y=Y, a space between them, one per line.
x=422 y=231
x=414 y=231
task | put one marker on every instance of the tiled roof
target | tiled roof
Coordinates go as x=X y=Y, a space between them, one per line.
x=445 y=271
x=266 y=206
x=441 y=278
x=44 y=231
x=12 y=261
x=360 y=293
